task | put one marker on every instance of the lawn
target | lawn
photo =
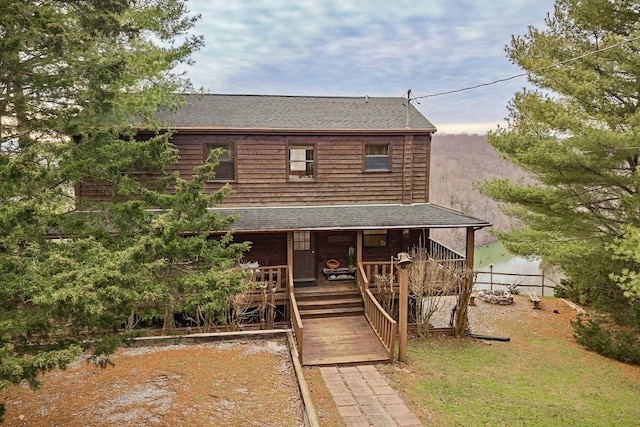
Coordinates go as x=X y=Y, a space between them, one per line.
x=541 y=377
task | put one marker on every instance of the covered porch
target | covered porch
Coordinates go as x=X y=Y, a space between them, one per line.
x=336 y=317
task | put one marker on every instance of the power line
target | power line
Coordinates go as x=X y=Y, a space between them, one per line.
x=577 y=58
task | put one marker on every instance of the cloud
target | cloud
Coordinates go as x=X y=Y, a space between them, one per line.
x=358 y=47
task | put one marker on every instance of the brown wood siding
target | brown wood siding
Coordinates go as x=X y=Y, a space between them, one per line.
x=396 y=242
x=420 y=170
x=262 y=169
x=333 y=245
x=266 y=248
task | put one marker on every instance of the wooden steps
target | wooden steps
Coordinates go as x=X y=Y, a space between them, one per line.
x=329 y=301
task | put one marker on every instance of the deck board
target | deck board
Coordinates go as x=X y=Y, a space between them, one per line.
x=340 y=340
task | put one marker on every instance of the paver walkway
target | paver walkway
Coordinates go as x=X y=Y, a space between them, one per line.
x=364 y=398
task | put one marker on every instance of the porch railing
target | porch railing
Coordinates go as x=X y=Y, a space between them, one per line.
x=274 y=274
x=440 y=252
x=383 y=324
x=447 y=258
x=296 y=320
x=368 y=270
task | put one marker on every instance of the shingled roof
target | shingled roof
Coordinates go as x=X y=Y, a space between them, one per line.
x=296 y=113
x=348 y=217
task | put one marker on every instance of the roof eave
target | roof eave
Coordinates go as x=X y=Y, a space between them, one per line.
x=339 y=228
x=289 y=131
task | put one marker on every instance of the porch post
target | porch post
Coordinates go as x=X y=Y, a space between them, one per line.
x=403 y=281
x=289 y=258
x=359 y=246
x=470 y=247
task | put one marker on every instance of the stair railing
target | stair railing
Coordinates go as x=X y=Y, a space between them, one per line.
x=381 y=322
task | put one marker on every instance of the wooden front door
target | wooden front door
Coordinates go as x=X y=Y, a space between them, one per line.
x=304 y=256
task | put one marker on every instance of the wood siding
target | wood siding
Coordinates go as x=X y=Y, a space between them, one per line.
x=261 y=169
x=271 y=248
x=266 y=248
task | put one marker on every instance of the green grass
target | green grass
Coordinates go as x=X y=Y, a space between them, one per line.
x=537 y=379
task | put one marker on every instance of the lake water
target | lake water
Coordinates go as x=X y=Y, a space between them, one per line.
x=496 y=255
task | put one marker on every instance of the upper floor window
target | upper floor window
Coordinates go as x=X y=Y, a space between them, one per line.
x=376 y=157
x=226 y=169
x=301 y=162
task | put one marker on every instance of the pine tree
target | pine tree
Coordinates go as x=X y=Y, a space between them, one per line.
x=576 y=135
x=77 y=79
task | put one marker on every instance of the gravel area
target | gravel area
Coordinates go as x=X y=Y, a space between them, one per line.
x=238 y=383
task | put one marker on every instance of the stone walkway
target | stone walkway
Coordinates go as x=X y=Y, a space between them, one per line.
x=364 y=398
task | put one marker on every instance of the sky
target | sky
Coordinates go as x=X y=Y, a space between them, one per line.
x=369 y=47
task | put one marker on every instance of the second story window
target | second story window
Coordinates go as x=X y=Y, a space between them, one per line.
x=226 y=170
x=376 y=157
x=301 y=162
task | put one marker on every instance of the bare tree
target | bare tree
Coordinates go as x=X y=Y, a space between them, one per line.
x=429 y=281
x=386 y=293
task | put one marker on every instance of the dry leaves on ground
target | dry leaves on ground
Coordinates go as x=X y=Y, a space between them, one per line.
x=238 y=383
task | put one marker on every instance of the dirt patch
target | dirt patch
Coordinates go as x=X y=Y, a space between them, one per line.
x=325 y=406
x=239 y=383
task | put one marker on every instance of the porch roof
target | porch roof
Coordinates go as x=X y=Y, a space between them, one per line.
x=348 y=217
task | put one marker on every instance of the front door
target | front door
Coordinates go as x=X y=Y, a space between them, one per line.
x=304 y=257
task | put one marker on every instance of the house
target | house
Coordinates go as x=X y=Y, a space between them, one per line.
x=314 y=176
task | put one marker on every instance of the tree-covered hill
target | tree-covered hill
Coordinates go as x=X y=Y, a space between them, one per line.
x=457 y=162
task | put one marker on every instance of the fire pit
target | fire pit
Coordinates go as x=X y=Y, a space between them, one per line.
x=496 y=297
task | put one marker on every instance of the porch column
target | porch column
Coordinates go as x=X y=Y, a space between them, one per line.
x=470 y=247
x=289 y=258
x=359 y=246
x=403 y=281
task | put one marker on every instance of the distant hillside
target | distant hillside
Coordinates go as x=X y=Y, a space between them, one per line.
x=457 y=162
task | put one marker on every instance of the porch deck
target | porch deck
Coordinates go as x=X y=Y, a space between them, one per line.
x=333 y=339
x=341 y=340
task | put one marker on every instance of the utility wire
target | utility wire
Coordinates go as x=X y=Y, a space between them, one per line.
x=577 y=58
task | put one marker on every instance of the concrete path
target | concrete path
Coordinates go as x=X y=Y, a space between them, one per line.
x=365 y=399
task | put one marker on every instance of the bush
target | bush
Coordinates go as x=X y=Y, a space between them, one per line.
x=601 y=335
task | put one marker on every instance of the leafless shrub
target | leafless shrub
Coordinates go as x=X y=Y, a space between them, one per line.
x=238 y=309
x=429 y=281
x=386 y=294
x=463 y=285
x=267 y=306
x=203 y=320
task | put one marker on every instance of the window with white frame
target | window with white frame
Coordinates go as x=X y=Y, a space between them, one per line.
x=376 y=157
x=301 y=162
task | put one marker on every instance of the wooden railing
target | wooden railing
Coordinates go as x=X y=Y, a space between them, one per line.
x=383 y=325
x=296 y=320
x=368 y=270
x=275 y=274
x=509 y=280
x=450 y=267
x=440 y=252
